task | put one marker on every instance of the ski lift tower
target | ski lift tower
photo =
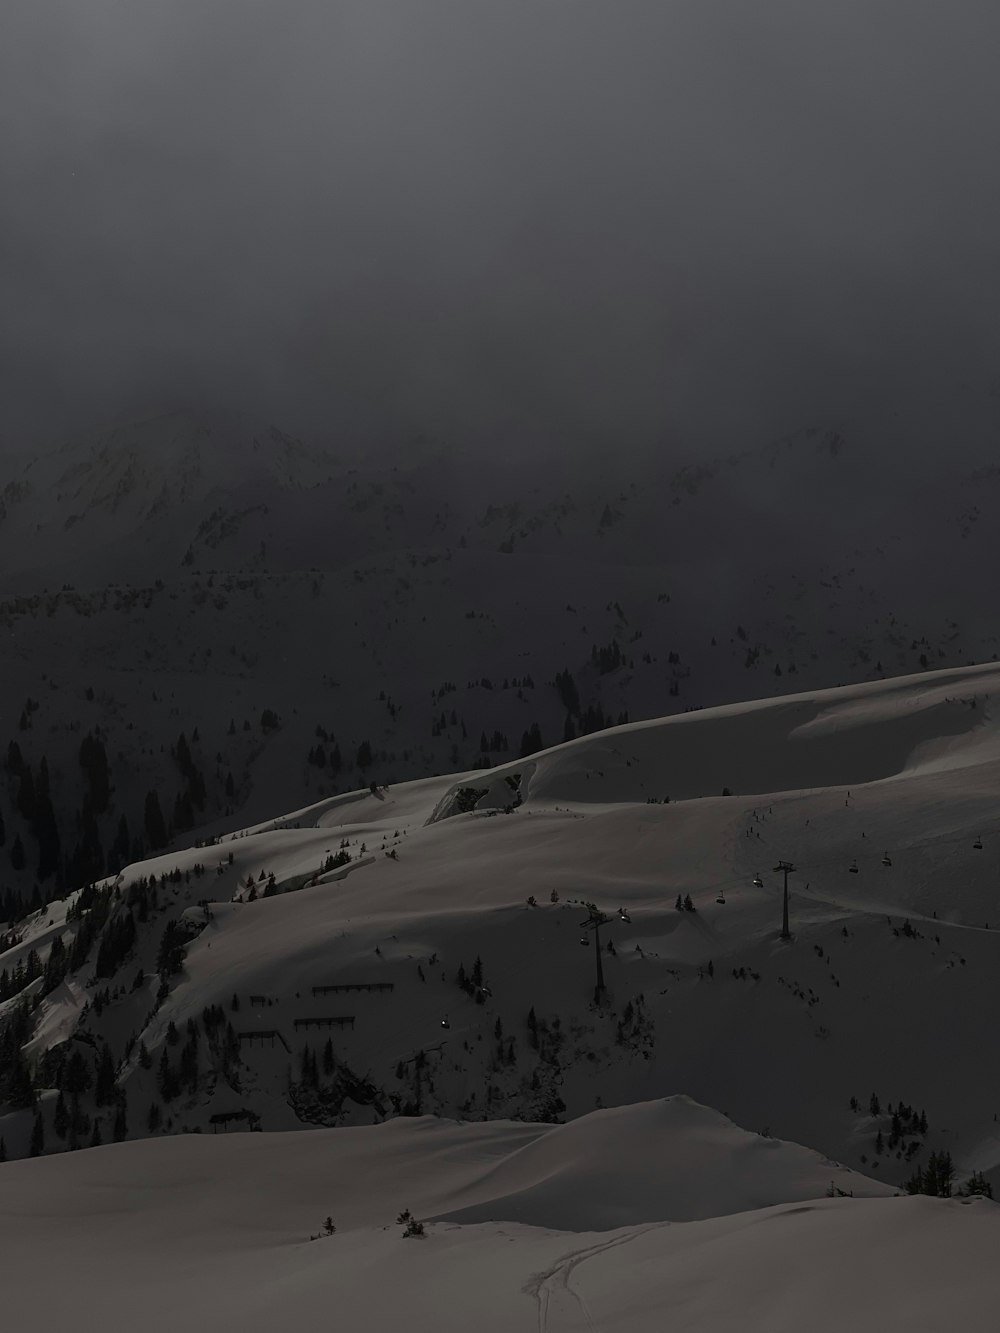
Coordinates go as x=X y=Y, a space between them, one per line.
x=594 y=922
x=786 y=868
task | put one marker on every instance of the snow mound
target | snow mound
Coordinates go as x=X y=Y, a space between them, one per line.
x=228 y=1233
x=668 y=1160
x=846 y=736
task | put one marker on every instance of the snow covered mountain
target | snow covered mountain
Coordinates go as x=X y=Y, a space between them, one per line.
x=311 y=621
x=123 y=507
x=420 y=949
x=424 y=949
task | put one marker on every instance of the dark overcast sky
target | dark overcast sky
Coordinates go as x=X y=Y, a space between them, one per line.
x=563 y=220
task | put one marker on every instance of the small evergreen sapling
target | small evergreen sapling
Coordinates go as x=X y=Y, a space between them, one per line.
x=411 y=1227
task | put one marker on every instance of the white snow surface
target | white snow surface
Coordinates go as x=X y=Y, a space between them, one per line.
x=647 y=1210
x=224 y=1233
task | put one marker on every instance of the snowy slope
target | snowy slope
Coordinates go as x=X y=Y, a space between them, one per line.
x=565 y=1176
x=226 y=1233
x=660 y=1161
x=188 y=573
x=886 y=987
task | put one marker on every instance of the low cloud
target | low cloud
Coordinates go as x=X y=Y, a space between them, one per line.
x=574 y=224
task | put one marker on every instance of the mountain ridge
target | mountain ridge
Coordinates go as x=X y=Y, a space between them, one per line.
x=472 y=922
x=403 y=616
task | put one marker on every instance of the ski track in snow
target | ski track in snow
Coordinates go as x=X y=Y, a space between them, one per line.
x=556 y=1295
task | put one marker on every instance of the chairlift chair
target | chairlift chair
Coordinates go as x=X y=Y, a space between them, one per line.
x=758 y=883
x=584 y=941
x=445 y=1023
x=853 y=867
x=721 y=900
x=978 y=844
x=886 y=860
x=623 y=915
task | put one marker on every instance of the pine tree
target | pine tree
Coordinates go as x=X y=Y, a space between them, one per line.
x=15 y=760
x=94 y=762
x=170 y=955
x=60 y=1122
x=104 y=1090
x=120 y=848
x=936 y=1179
x=167 y=1078
x=55 y=965
x=27 y=801
x=20 y=1090
x=37 y=1137
x=977 y=1186
x=75 y=1076
x=156 y=829
x=189 y=1063
x=531 y=741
